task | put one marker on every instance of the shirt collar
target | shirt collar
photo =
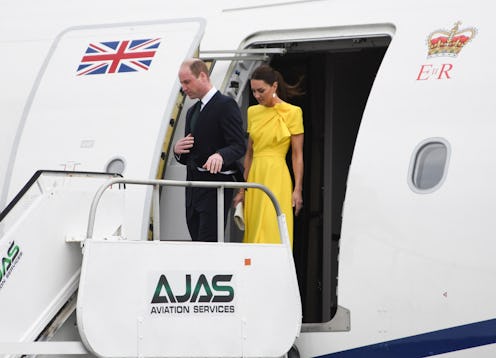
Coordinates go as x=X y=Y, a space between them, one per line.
x=208 y=96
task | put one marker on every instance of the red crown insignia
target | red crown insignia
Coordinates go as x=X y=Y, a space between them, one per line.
x=449 y=43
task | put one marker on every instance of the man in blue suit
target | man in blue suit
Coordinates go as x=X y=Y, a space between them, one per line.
x=213 y=144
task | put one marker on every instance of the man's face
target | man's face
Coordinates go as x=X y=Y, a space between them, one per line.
x=192 y=86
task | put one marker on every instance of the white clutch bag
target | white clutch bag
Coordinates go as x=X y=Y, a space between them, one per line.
x=239 y=217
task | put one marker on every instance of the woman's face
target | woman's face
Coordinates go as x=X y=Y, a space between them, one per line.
x=263 y=92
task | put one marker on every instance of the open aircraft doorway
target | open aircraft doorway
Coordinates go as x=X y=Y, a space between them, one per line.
x=337 y=76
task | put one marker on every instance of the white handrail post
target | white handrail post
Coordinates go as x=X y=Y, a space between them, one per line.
x=156 y=212
x=220 y=213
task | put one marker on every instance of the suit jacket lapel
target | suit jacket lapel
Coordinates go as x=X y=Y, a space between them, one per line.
x=205 y=109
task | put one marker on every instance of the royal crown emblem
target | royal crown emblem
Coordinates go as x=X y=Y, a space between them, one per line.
x=449 y=43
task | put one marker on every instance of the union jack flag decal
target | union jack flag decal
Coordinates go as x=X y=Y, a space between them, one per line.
x=118 y=56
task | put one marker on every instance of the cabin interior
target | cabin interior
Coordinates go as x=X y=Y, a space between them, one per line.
x=337 y=75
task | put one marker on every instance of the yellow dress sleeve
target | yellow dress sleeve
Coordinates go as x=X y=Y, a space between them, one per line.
x=295 y=121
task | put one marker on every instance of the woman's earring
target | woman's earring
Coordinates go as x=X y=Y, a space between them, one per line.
x=274 y=95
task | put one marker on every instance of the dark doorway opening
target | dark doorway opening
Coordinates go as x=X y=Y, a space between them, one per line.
x=337 y=78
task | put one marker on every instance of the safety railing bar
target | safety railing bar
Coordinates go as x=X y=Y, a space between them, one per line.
x=156 y=212
x=220 y=213
x=43 y=348
x=202 y=184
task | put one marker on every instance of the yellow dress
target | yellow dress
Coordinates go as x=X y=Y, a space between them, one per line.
x=270 y=130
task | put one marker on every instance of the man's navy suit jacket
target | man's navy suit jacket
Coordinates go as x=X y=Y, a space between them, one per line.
x=218 y=129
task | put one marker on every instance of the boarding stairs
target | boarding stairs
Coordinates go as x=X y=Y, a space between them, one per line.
x=137 y=298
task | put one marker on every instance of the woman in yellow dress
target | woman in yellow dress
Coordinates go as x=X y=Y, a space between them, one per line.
x=273 y=125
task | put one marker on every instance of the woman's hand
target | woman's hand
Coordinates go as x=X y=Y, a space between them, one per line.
x=297 y=201
x=239 y=197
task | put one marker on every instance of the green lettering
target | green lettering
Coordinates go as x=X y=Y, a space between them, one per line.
x=13 y=250
x=202 y=282
x=187 y=294
x=163 y=283
x=222 y=288
x=6 y=262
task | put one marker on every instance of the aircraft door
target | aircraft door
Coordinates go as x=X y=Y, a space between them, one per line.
x=102 y=102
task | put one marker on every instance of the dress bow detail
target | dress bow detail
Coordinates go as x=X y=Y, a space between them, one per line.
x=282 y=130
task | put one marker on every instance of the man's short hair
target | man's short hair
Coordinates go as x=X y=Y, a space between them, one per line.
x=197 y=66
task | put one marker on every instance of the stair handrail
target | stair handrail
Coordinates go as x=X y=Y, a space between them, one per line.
x=157 y=183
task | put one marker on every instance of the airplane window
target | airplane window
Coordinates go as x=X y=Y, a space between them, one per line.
x=429 y=165
x=115 y=166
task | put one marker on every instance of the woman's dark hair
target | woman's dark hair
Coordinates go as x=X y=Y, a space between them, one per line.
x=269 y=75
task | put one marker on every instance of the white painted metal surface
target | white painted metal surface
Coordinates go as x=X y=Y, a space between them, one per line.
x=123 y=293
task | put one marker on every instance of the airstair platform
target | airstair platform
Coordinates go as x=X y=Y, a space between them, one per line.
x=188 y=299
x=182 y=299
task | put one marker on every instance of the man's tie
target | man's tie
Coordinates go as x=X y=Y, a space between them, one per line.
x=195 y=115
